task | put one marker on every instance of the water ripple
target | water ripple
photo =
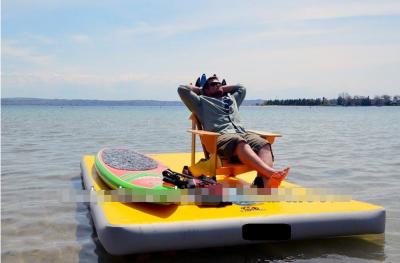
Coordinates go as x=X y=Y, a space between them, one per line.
x=354 y=150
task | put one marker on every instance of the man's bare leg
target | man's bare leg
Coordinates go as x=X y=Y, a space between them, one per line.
x=265 y=154
x=249 y=157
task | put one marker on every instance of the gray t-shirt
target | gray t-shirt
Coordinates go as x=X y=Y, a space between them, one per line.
x=216 y=114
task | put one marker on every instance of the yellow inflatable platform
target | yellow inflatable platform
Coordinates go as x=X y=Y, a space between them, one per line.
x=125 y=228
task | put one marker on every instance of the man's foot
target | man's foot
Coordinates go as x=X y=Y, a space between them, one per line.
x=276 y=179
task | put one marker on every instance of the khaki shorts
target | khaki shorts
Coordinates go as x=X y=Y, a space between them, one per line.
x=226 y=144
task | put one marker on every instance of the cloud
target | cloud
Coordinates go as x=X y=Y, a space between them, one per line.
x=263 y=20
x=282 y=45
x=90 y=79
x=163 y=30
x=39 y=39
x=101 y=79
x=73 y=85
x=10 y=50
x=311 y=71
x=325 y=10
x=80 y=39
x=292 y=72
x=348 y=9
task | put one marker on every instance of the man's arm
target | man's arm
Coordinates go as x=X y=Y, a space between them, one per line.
x=229 y=88
x=195 y=89
x=190 y=97
x=238 y=92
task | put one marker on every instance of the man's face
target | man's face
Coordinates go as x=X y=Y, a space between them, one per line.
x=214 y=89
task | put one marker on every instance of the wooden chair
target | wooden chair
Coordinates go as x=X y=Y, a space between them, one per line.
x=213 y=165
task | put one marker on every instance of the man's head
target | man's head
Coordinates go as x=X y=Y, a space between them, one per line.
x=212 y=87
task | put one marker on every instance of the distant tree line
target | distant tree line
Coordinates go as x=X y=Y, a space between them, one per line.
x=343 y=99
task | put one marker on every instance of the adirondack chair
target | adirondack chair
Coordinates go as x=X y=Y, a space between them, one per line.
x=212 y=164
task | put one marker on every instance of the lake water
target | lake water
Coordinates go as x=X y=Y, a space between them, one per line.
x=353 y=150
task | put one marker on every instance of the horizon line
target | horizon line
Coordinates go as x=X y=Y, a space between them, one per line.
x=38 y=98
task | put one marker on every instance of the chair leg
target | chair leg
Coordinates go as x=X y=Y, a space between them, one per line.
x=193 y=155
x=213 y=165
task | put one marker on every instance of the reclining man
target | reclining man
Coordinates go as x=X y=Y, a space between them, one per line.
x=217 y=108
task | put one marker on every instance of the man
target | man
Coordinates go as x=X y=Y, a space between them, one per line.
x=217 y=108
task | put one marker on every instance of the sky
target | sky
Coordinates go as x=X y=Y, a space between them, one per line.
x=123 y=50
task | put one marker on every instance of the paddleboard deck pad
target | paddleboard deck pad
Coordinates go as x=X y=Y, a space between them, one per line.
x=124 y=168
x=126 y=228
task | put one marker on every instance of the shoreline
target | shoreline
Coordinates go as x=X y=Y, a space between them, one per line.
x=160 y=103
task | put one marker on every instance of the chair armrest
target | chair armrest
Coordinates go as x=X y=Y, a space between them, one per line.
x=262 y=133
x=270 y=137
x=204 y=133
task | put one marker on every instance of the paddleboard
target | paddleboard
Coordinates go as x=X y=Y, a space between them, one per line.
x=124 y=168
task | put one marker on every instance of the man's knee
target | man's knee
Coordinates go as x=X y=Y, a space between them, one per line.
x=240 y=146
x=266 y=148
x=266 y=152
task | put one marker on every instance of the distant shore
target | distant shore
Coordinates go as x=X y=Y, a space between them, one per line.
x=83 y=102
x=342 y=100
x=346 y=100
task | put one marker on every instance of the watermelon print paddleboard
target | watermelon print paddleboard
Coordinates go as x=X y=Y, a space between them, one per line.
x=123 y=168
